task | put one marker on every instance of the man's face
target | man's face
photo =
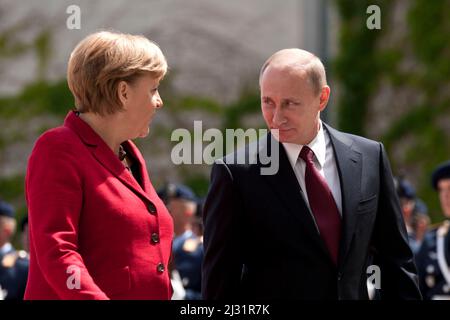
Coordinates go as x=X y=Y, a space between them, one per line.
x=407 y=206
x=177 y=208
x=7 y=228
x=444 y=195
x=290 y=105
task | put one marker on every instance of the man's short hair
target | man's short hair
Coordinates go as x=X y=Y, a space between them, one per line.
x=314 y=69
x=103 y=59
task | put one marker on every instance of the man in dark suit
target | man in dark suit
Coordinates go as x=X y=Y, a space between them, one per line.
x=324 y=223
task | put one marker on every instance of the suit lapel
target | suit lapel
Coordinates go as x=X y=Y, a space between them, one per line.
x=108 y=159
x=285 y=186
x=106 y=156
x=146 y=185
x=349 y=166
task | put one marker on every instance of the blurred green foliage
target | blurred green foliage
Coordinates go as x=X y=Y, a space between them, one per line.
x=362 y=62
x=356 y=66
x=38 y=98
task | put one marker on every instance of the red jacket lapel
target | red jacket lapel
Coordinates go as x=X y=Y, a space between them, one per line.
x=106 y=156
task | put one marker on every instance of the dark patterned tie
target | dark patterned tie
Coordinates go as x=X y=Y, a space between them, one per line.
x=322 y=204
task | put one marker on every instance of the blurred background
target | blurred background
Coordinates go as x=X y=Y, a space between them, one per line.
x=390 y=84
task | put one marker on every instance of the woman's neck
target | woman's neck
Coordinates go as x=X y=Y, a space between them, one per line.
x=106 y=127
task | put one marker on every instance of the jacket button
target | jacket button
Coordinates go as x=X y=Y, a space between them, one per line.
x=160 y=267
x=152 y=208
x=155 y=237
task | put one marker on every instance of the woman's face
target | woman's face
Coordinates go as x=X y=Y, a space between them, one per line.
x=142 y=101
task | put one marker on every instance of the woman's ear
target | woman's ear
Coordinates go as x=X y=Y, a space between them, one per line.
x=123 y=91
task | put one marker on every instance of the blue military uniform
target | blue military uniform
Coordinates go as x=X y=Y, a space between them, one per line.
x=13 y=265
x=433 y=259
x=187 y=248
x=13 y=274
x=406 y=192
x=188 y=256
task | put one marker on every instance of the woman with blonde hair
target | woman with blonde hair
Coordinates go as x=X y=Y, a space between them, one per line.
x=97 y=228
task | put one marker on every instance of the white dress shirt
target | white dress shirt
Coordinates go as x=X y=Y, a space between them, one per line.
x=324 y=161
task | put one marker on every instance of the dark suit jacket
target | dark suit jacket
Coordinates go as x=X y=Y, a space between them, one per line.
x=261 y=241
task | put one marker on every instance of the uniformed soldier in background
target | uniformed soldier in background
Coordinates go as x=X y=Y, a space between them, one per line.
x=13 y=264
x=407 y=196
x=433 y=259
x=420 y=223
x=197 y=225
x=187 y=249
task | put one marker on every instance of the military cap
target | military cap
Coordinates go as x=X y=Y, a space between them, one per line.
x=420 y=207
x=6 y=209
x=176 y=191
x=405 y=189
x=441 y=172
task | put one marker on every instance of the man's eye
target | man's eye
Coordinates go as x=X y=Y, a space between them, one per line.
x=291 y=104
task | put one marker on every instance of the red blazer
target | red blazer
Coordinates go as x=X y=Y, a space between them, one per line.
x=95 y=232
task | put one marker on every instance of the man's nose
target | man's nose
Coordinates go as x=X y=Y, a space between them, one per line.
x=278 y=117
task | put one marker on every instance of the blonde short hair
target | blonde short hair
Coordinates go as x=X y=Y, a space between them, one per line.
x=103 y=59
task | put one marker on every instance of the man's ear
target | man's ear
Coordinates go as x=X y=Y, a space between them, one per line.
x=123 y=91
x=324 y=97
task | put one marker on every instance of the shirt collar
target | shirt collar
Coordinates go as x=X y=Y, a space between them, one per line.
x=317 y=145
x=6 y=248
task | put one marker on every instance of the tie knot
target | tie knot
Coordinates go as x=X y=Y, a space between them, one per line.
x=307 y=154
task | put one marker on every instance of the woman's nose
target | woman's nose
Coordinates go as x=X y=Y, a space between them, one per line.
x=159 y=102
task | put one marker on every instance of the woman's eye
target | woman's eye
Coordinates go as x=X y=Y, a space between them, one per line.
x=154 y=90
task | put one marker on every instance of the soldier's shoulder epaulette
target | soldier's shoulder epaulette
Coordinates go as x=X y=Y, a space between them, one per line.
x=9 y=260
x=444 y=228
x=434 y=226
x=191 y=244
